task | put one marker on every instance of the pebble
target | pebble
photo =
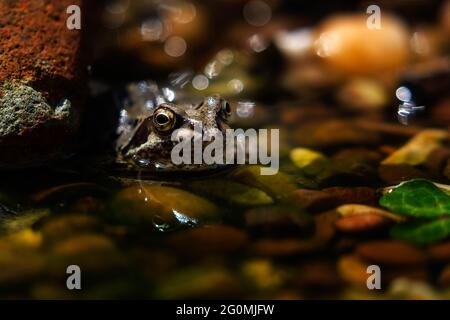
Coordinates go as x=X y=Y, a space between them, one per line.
x=208 y=240
x=263 y=274
x=199 y=282
x=444 y=277
x=61 y=227
x=440 y=252
x=309 y=161
x=165 y=207
x=341 y=42
x=395 y=174
x=333 y=133
x=278 y=186
x=353 y=270
x=277 y=221
x=362 y=223
x=233 y=193
x=391 y=253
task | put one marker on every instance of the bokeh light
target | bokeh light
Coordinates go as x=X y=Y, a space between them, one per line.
x=175 y=46
x=200 y=82
x=257 y=13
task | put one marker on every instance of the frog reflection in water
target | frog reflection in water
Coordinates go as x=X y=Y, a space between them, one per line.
x=148 y=145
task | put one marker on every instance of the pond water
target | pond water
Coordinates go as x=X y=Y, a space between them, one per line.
x=363 y=182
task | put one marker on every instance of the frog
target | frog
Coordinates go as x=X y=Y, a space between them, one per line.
x=147 y=144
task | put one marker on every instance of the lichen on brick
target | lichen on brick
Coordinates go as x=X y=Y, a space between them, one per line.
x=23 y=108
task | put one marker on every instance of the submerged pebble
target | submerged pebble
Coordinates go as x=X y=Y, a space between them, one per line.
x=164 y=207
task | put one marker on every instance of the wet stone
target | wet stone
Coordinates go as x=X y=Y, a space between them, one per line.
x=447 y=170
x=278 y=221
x=444 y=277
x=164 y=207
x=359 y=209
x=351 y=166
x=233 y=193
x=58 y=228
x=330 y=198
x=353 y=270
x=390 y=252
x=280 y=247
x=355 y=58
x=363 y=223
x=440 y=252
x=22 y=220
x=278 y=186
x=309 y=161
x=395 y=174
x=208 y=240
x=290 y=246
x=355 y=218
x=358 y=195
x=263 y=274
x=333 y=133
x=96 y=254
x=20 y=266
x=317 y=275
x=88 y=205
x=199 y=282
x=436 y=161
x=314 y=200
x=21 y=240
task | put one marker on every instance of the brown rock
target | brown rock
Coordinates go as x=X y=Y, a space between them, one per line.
x=277 y=221
x=440 y=251
x=390 y=252
x=314 y=200
x=208 y=240
x=444 y=277
x=317 y=275
x=437 y=160
x=441 y=112
x=353 y=270
x=333 y=133
x=447 y=170
x=359 y=195
x=281 y=247
x=40 y=87
x=362 y=223
x=394 y=174
x=324 y=233
x=330 y=198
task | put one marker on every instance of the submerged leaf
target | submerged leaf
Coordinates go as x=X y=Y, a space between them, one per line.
x=276 y=186
x=232 y=192
x=21 y=221
x=418 y=198
x=422 y=233
x=360 y=209
x=310 y=161
x=416 y=151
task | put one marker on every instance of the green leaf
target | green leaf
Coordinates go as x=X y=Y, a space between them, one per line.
x=422 y=233
x=418 y=198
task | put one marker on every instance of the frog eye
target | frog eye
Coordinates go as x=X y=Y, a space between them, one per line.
x=164 y=119
x=226 y=109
